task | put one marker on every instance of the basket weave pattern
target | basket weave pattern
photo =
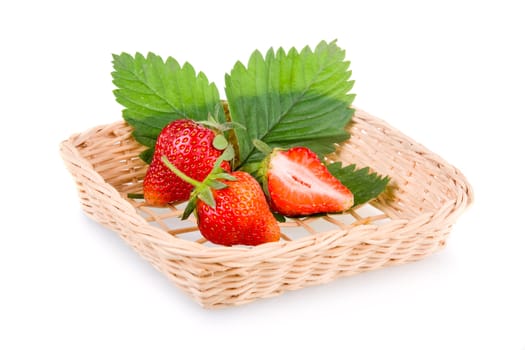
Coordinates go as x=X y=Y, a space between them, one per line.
x=412 y=220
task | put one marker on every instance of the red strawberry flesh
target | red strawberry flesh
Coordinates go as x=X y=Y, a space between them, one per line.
x=299 y=184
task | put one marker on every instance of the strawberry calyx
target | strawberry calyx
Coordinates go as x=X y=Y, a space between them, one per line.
x=261 y=169
x=213 y=122
x=203 y=189
x=262 y=146
x=220 y=141
x=223 y=136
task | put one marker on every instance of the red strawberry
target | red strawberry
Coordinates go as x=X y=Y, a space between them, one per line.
x=299 y=184
x=241 y=214
x=188 y=146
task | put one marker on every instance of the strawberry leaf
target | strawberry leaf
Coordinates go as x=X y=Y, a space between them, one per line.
x=190 y=207
x=155 y=92
x=217 y=185
x=207 y=197
x=364 y=185
x=290 y=98
x=220 y=142
x=225 y=176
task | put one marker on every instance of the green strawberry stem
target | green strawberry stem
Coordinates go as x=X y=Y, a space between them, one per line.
x=180 y=174
x=202 y=190
x=135 y=195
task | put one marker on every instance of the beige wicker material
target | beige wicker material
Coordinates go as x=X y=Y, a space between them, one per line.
x=411 y=220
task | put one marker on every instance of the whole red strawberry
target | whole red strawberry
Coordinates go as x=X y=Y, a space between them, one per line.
x=299 y=184
x=188 y=146
x=241 y=214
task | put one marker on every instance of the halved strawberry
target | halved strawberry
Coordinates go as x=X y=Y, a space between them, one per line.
x=299 y=184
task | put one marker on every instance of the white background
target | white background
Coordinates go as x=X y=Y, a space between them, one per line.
x=449 y=74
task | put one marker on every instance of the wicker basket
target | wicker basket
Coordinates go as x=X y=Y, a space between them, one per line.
x=406 y=223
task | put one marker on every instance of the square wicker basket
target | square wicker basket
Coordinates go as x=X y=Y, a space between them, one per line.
x=411 y=220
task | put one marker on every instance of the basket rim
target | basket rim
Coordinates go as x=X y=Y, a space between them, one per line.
x=358 y=233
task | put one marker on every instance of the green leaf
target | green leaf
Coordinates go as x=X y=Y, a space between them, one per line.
x=155 y=92
x=147 y=155
x=225 y=176
x=206 y=195
x=220 y=142
x=262 y=147
x=292 y=98
x=228 y=154
x=216 y=185
x=364 y=185
x=190 y=207
x=279 y=217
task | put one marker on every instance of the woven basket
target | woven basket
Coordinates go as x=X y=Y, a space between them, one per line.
x=408 y=222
